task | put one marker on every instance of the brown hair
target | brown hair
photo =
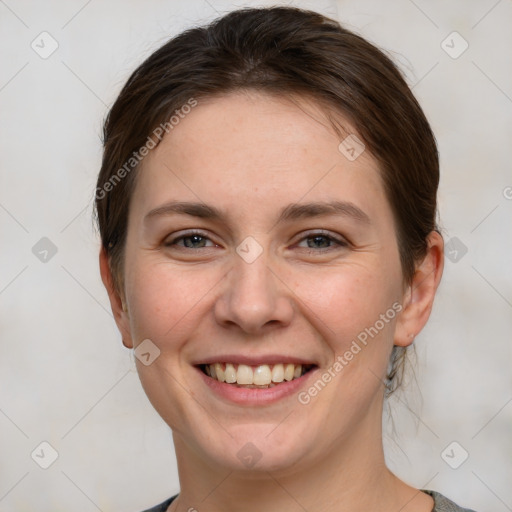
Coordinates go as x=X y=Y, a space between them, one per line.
x=283 y=51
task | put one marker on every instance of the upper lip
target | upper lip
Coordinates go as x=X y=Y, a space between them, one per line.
x=269 y=359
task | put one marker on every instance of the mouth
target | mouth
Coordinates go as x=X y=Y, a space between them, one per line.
x=262 y=376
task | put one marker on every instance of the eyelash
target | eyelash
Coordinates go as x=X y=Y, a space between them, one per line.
x=316 y=234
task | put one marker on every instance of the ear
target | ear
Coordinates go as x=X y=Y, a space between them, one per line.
x=419 y=296
x=117 y=302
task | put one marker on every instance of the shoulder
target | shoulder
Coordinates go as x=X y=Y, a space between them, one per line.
x=162 y=507
x=443 y=504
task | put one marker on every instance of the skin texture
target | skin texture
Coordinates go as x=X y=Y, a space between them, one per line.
x=250 y=155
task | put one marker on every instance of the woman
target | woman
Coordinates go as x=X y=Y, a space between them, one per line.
x=267 y=205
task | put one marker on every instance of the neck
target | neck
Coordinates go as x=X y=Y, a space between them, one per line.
x=351 y=477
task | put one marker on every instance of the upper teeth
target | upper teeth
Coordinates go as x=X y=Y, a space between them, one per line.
x=262 y=375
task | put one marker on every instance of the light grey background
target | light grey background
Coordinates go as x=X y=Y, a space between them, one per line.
x=65 y=377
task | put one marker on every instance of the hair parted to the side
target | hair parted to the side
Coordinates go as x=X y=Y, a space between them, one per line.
x=284 y=51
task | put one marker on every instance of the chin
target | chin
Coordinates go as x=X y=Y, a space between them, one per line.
x=253 y=448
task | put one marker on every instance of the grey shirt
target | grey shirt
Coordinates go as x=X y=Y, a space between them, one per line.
x=441 y=504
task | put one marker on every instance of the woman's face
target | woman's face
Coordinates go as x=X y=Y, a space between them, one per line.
x=254 y=240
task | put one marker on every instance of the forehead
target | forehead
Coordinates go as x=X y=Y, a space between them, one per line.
x=256 y=151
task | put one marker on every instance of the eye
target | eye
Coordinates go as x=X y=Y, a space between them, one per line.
x=320 y=242
x=314 y=243
x=190 y=241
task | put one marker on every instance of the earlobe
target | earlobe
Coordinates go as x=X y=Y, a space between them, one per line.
x=117 y=303
x=419 y=297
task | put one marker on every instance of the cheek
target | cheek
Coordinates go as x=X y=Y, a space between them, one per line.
x=354 y=301
x=164 y=299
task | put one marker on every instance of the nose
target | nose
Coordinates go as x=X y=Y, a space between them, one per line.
x=254 y=298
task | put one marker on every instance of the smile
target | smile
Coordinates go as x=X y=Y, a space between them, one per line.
x=261 y=376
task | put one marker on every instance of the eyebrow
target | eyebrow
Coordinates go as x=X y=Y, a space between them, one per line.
x=294 y=211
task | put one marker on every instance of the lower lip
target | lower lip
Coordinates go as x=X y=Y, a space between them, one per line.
x=256 y=396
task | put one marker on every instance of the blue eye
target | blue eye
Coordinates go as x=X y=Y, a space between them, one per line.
x=194 y=241
x=315 y=242
x=321 y=242
x=190 y=241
